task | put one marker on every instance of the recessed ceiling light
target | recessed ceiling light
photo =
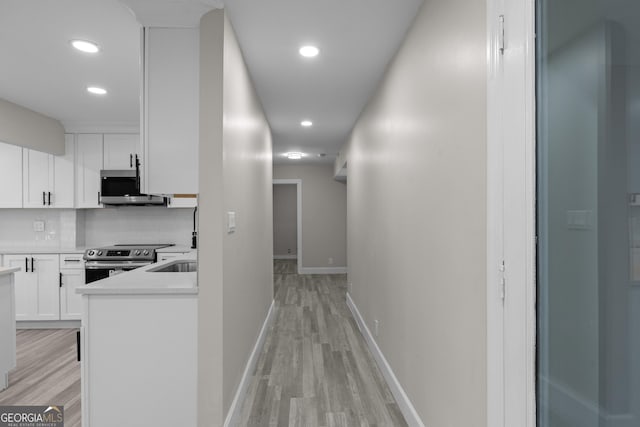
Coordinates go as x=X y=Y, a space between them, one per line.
x=85 y=46
x=306 y=123
x=96 y=90
x=294 y=155
x=309 y=51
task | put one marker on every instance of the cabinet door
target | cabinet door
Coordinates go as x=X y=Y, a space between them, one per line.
x=182 y=202
x=62 y=193
x=120 y=151
x=10 y=176
x=170 y=106
x=169 y=255
x=37 y=174
x=70 y=302
x=47 y=272
x=88 y=166
x=25 y=286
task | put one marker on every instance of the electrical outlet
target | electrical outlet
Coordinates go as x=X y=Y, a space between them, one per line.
x=38 y=225
x=376 y=328
x=330 y=261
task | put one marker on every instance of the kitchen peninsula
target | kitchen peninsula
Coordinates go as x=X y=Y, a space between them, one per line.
x=139 y=346
x=7 y=325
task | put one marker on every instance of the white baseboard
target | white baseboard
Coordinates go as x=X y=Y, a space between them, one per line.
x=406 y=407
x=322 y=270
x=580 y=411
x=288 y=256
x=47 y=324
x=236 y=405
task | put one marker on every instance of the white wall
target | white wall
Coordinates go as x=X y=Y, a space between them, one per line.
x=416 y=214
x=285 y=220
x=324 y=214
x=248 y=252
x=235 y=270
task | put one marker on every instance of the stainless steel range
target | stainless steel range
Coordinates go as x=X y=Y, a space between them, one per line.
x=111 y=260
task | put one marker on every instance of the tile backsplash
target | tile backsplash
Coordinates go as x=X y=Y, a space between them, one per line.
x=138 y=224
x=17 y=228
x=71 y=228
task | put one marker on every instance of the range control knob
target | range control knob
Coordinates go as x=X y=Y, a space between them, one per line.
x=91 y=253
x=137 y=252
x=146 y=252
x=99 y=253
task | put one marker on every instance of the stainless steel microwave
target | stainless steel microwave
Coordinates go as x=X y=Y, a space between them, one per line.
x=122 y=187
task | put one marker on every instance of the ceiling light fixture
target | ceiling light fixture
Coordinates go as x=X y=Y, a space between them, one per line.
x=85 y=46
x=294 y=155
x=309 y=51
x=306 y=123
x=96 y=90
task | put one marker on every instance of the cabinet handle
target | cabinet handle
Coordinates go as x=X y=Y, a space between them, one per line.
x=131 y=160
x=33 y=270
x=60 y=279
x=78 y=344
x=49 y=201
x=26 y=264
x=71 y=260
x=98 y=197
x=43 y=198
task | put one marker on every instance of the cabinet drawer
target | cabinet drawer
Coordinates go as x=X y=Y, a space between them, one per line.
x=71 y=261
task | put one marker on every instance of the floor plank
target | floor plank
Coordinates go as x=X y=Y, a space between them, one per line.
x=315 y=368
x=47 y=372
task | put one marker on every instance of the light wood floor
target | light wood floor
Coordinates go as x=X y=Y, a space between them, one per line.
x=47 y=372
x=315 y=369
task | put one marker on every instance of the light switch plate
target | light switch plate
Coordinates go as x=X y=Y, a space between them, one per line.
x=231 y=222
x=38 y=225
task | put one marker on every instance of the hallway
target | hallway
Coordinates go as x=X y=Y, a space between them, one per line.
x=315 y=368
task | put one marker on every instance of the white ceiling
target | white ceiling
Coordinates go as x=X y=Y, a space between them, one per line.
x=357 y=38
x=41 y=71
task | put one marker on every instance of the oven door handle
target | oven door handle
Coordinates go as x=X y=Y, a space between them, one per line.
x=113 y=265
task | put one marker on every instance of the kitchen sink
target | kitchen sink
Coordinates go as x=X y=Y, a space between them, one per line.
x=176 y=267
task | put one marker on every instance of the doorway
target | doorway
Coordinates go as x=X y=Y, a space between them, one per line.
x=287 y=224
x=588 y=214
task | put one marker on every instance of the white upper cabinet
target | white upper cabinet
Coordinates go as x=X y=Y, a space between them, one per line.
x=63 y=175
x=10 y=176
x=88 y=165
x=48 y=179
x=37 y=174
x=121 y=151
x=170 y=110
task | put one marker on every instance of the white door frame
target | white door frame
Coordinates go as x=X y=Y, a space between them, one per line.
x=298 y=184
x=511 y=215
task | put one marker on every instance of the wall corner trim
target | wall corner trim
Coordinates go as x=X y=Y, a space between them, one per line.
x=322 y=270
x=406 y=407
x=233 y=416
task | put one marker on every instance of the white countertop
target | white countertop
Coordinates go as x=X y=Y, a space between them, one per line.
x=142 y=282
x=8 y=270
x=30 y=250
